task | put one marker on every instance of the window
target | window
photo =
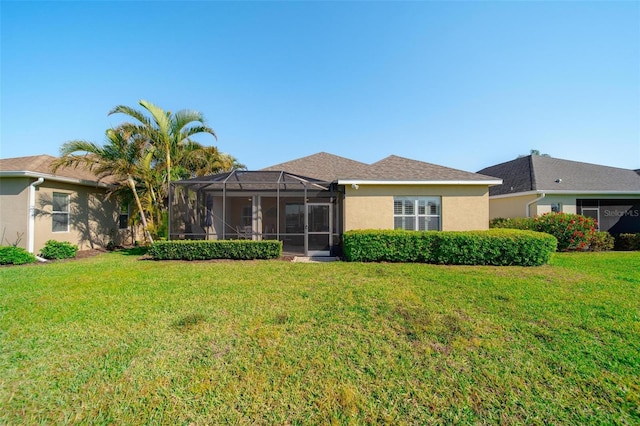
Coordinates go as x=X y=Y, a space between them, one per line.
x=123 y=217
x=246 y=216
x=60 y=212
x=416 y=213
x=556 y=207
x=294 y=218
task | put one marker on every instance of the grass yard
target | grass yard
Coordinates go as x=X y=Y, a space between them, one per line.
x=116 y=339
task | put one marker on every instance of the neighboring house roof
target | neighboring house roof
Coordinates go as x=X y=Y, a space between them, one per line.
x=41 y=166
x=535 y=173
x=390 y=170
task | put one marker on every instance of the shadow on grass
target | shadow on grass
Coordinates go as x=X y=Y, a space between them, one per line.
x=134 y=251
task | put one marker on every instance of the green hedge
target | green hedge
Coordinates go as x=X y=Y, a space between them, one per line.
x=54 y=250
x=10 y=255
x=627 y=242
x=492 y=247
x=221 y=249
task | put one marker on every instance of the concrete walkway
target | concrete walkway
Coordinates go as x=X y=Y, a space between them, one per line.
x=315 y=259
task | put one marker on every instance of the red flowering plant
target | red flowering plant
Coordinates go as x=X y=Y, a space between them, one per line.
x=573 y=231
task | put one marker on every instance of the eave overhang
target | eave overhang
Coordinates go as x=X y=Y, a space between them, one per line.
x=419 y=182
x=563 y=192
x=55 y=178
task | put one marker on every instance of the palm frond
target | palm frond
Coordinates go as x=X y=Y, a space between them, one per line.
x=160 y=116
x=184 y=117
x=132 y=112
x=195 y=130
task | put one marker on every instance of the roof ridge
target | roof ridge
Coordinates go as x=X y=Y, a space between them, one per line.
x=532 y=173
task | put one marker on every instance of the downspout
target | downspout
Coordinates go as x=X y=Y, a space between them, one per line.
x=534 y=201
x=32 y=215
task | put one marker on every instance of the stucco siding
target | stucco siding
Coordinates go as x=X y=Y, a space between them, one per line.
x=510 y=206
x=371 y=206
x=465 y=211
x=543 y=206
x=14 y=211
x=93 y=221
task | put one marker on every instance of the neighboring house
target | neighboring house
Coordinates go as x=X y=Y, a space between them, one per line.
x=309 y=202
x=37 y=205
x=534 y=185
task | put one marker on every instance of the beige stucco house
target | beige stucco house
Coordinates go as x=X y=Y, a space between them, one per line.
x=309 y=202
x=37 y=205
x=534 y=185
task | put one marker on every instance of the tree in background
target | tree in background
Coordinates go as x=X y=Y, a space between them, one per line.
x=123 y=159
x=534 y=152
x=144 y=155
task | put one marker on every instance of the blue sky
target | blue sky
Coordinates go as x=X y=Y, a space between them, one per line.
x=461 y=84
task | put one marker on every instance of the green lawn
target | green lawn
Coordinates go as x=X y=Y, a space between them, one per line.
x=116 y=339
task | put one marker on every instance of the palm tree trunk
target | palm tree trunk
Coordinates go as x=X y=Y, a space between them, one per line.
x=132 y=185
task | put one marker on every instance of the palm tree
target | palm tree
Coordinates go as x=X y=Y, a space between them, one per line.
x=167 y=133
x=197 y=160
x=123 y=158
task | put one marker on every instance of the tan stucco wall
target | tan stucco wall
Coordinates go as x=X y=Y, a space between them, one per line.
x=93 y=222
x=511 y=206
x=464 y=207
x=14 y=211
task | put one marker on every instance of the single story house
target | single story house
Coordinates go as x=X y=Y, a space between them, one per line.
x=534 y=185
x=37 y=205
x=309 y=202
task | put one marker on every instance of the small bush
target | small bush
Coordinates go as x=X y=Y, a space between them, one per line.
x=601 y=241
x=10 y=255
x=221 y=249
x=58 y=250
x=493 y=247
x=573 y=231
x=627 y=242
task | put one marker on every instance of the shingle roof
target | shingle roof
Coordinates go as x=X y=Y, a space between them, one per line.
x=323 y=166
x=404 y=169
x=329 y=167
x=538 y=173
x=42 y=164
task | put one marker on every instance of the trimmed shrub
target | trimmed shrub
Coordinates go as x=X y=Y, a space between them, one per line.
x=492 y=247
x=512 y=223
x=627 y=242
x=219 y=249
x=58 y=250
x=601 y=241
x=573 y=231
x=10 y=255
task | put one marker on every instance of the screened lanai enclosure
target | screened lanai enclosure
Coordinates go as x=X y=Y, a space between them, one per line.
x=303 y=213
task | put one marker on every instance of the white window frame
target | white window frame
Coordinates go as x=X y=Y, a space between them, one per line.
x=556 y=207
x=412 y=209
x=60 y=213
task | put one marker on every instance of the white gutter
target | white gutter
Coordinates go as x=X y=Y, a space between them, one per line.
x=55 y=178
x=528 y=212
x=564 y=192
x=418 y=182
x=31 y=235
